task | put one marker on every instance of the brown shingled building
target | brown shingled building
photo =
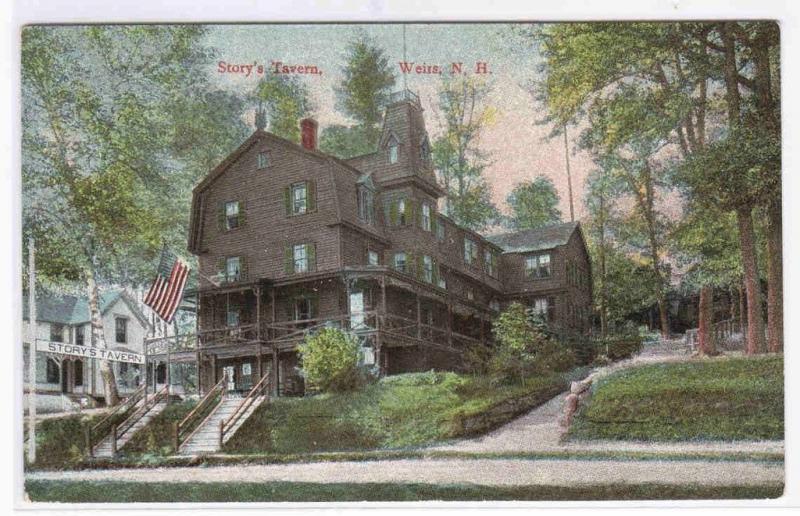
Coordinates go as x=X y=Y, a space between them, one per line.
x=300 y=240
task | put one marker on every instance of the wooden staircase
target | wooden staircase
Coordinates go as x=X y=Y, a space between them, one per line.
x=223 y=419
x=121 y=424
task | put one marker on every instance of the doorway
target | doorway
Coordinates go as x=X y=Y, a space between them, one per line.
x=230 y=377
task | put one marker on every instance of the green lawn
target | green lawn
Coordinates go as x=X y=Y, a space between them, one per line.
x=397 y=411
x=157 y=437
x=121 y=492
x=727 y=399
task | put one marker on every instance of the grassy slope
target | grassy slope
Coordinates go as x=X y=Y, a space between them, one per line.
x=76 y=492
x=728 y=399
x=61 y=442
x=398 y=411
x=157 y=437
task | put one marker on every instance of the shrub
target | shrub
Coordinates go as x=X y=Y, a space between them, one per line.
x=330 y=360
x=523 y=347
x=618 y=347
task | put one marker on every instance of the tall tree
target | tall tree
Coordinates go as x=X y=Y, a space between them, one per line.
x=104 y=159
x=534 y=204
x=459 y=162
x=286 y=101
x=367 y=82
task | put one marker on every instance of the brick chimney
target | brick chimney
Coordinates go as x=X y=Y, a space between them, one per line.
x=308 y=133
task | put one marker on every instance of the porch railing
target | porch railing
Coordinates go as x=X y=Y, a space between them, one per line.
x=183 y=430
x=259 y=389
x=99 y=431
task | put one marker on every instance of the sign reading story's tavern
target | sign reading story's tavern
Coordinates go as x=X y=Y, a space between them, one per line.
x=89 y=352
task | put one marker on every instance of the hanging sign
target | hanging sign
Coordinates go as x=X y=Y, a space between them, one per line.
x=89 y=352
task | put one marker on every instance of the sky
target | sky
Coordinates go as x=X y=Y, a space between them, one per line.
x=517 y=144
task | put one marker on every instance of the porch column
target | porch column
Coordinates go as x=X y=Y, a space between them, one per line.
x=449 y=322
x=258 y=330
x=275 y=371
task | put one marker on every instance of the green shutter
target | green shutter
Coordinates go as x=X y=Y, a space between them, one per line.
x=420 y=267
x=243 y=271
x=311 y=253
x=435 y=275
x=287 y=200
x=311 y=195
x=288 y=264
x=241 y=213
x=221 y=269
x=411 y=211
x=221 y=217
x=393 y=212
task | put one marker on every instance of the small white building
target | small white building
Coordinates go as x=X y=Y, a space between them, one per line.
x=64 y=318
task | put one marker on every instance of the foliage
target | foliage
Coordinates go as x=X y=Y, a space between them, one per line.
x=534 y=204
x=397 y=411
x=287 y=102
x=366 y=85
x=464 y=114
x=523 y=347
x=70 y=491
x=60 y=441
x=330 y=360
x=724 y=399
x=157 y=437
x=345 y=142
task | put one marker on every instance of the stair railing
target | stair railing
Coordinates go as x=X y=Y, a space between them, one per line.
x=258 y=389
x=148 y=404
x=186 y=427
x=107 y=424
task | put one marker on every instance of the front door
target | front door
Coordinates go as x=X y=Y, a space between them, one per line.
x=230 y=379
x=356 y=310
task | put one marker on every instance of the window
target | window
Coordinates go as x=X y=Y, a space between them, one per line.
x=232 y=317
x=402 y=217
x=538 y=266
x=427 y=268
x=440 y=229
x=494 y=304
x=263 y=159
x=424 y=151
x=373 y=258
x=299 y=198
x=233 y=269
x=53 y=371
x=470 y=251
x=121 y=329
x=300 y=258
x=366 y=210
x=545 y=307
x=80 y=335
x=57 y=332
x=426 y=216
x=393 y=150
x=470 y=294
x=303 y=309
x=441 y=282
x=78 y=373
x=400 y=262
x=231 y=215
x=490 y=262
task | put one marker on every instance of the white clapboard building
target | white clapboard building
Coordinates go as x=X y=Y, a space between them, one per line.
x=63 y=323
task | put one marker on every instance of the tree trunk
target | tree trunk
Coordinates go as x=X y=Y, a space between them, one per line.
x=99 y=340
x=662 y=316
x=742 y=308
x=603 y=288
x=775 y=279
x=755 y=319
x=705 y=337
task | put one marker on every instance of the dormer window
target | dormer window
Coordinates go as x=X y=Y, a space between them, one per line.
x=425 y=151
x=263 y=160
x=394 y=149
x=366 y=209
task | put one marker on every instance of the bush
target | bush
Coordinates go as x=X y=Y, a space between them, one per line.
x=524 y=348
x=618 y=347
x=330 y=361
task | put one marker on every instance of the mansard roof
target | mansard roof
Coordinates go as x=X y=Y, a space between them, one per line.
x=539 y=239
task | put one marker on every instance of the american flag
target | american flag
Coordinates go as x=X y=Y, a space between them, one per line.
x=166 y=292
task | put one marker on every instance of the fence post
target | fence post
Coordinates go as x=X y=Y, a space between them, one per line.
x=175 y=442
x=221 y=429
x=88 y=435
x=113 y=440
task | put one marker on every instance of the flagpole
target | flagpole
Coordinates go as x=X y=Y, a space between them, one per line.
x=31 y=352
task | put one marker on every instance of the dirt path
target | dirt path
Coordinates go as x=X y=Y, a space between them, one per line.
x=538 y=430
x=491 y=472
